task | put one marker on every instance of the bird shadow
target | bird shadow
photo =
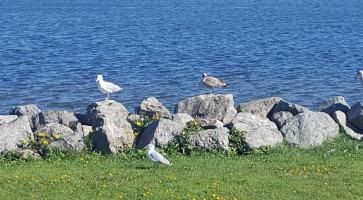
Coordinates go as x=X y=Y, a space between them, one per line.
x=143 y=167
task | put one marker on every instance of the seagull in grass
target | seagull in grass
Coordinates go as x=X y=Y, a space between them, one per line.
x=212 y=82
x=360 y=75
x=107 y=87
x=155 y=157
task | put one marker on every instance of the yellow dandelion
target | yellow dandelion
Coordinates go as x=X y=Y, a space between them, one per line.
x=16 y=176
x=62 y=190
x=119 y=196
x=213 y=195
x=91 y=131
x=40 y=134
x=144 y=195
x=45 y=142
x=138 y=123
x=110 y=174
x=291 y=174
x=104 y=185
x=57 y=136
x=51 y=138
x=24 y=141
x=195 y=123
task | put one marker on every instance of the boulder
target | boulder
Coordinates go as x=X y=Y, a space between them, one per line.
x=209 y=106
x=53 y=129
x=334 y=104
x=309 y=129
x=355 y=115
x=83 y=130
x=31 y=111
x=260 y=131
x=209 y=123
x=159 y=133
x=12 y=133
x=210 y=139
x=106 y=108
x=7 y=118
x=341 y=118
x=26 y=153
x=280 y=118
x=151 y=107
x=294 y=109
x=261 y=107
x=65 y=118
x=182 y=118
x=112 y=133
x=71 y=141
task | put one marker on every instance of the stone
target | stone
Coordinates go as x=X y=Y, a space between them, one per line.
x=294 y=109
x=261 y=107
x=112 y=133
x=26 y=153
x=7 y=118
x=334 y=104
x=182 y=118
x=72 y=141
x=31 y=111
x=53 y=129
x=260 y=131
x=65 y=118
x=355 y=115
x=12 y=133
x=83 y=130
x=151 y=107
x=309 y=129
x=159 y=133
x=341 y=118
x=210 y=139
x=107 y=107
x=209 y=106
x=280 y=118
x=209 y=123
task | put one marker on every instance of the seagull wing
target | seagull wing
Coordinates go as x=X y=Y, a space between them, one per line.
x=214 y=82
x=112 y=87
x=159 y=158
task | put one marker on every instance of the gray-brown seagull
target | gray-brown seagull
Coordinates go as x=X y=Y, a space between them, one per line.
x=212 y=82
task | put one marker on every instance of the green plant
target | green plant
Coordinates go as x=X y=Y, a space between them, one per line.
x=140 y=125
x=88 y=144
x=237 y=141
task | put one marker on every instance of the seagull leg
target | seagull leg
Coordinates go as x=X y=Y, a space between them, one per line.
x=107 y=97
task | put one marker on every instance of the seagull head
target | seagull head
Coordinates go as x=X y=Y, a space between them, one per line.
x=204 y=75
x=150 y=147
x=359 y=73
x=99 y=78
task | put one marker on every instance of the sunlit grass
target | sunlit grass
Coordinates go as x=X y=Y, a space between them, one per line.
x=331 y=171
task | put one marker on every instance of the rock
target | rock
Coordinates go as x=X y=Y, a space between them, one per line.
x=280 y=118
x=53 y=129
x=309 y=129
x=26 y=153
x=210 y=139
x=159 y=133
x=333 y=104
x=209 y=123
x=109 y=108
x=112 y=133
x=72 y=141
x=294 y=109
x=182 y=118
x=7 y=118
x=209 y=106
x=132 y=119
x=31 y=111
x=261 y=107
x=12 y=133
x=151 y=107
x=260 y=131
x=355 y=115
x=65 y=118
x=83 y=130
x=340 y=118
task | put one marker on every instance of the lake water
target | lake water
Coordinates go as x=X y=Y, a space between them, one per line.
x=304 y=51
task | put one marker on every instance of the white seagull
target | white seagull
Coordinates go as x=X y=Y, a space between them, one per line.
x=212 y=82
x=360 y=75
x=107 y=87
x=155 y=157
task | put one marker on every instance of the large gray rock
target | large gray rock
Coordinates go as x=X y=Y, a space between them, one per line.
x=31 y=111
x=309 y=129
x=12 y=133
x=210 y=139
x=209 y=106
x=209 y=123
x=340 y=118
x=7 y=118
x=260 y=131
x=280 y=118
x=65 y=118
x=112 y=133
x=151 y=107
x=294 y=109
x=182 y=118
x=261 y=107
x=355 y=115
x=106 y=108
x=333 y=104
x=159 y=133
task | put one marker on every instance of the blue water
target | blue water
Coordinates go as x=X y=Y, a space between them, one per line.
x=304 y=51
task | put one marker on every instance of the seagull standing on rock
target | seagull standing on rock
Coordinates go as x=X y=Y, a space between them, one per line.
x=155 y=157
x=360 y=75
x=107 y=87
x=212 y=82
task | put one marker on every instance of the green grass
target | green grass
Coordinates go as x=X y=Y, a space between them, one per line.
x=279 y=173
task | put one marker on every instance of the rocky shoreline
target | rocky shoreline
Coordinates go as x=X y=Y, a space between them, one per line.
x=267 y=122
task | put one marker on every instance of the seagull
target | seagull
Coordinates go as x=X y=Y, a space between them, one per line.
x=155 y=157
x=212 y=82
x=106 y=87
x=360 y=74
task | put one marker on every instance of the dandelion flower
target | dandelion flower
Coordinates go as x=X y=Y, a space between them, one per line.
x=138 y=123
x=213 y=195
x=195 y=123
x=104 y=186
x=24 y=141
x=16 y=176
x=40 y=134
x=57 y=136
x=91 y=131
x=45 y=142
x=51 y=138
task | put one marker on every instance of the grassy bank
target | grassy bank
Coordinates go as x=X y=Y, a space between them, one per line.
x=331 y=171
